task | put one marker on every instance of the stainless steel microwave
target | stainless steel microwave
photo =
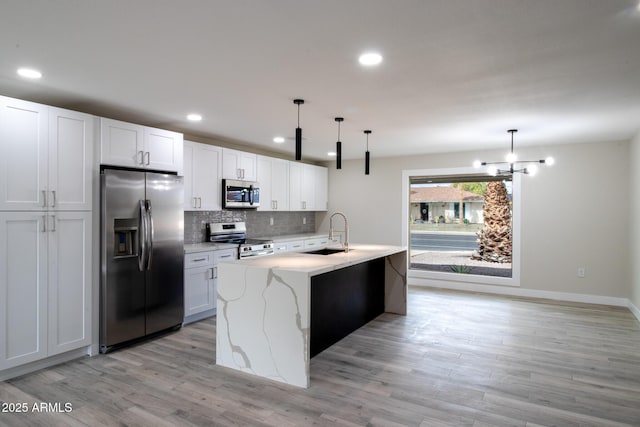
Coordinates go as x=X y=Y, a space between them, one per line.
x=240 y=194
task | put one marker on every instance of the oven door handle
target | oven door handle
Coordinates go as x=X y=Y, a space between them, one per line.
x=257 y=253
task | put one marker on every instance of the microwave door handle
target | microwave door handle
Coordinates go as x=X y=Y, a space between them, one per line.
x=251 y=195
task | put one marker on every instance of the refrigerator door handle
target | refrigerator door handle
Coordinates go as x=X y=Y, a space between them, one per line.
x=142 y=237
x=150 y=235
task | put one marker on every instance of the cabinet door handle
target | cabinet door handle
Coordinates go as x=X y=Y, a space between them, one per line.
x=214 y=273
x=44 y=199
x=141 y=153
x=193 y=202
x=199 y=259
x=199 y=202
x=53 y=194
x=53 y=223
x=148 y=154
x=44 y=223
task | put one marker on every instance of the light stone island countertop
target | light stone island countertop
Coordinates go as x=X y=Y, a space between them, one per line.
x=314 y=264
x=264 y=307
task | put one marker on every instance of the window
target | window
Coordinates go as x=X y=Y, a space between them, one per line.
x=447 y=232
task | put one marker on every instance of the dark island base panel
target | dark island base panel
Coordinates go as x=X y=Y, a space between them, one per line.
x=345 y=300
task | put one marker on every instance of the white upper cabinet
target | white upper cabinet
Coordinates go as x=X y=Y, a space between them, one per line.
x=239 y=165
x=46 y=155
x=307 y=187
x=322 y=188
x=136 y=146
x=71 y=136
x=121 y=143
x=273 y=177
x=162 y=150
x=296 y=202
x=202 y=177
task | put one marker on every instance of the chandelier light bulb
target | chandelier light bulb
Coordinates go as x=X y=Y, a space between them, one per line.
x=511 y=158
x=549 y=161
x=492 y=170
x=532 y=169
x=477 y=164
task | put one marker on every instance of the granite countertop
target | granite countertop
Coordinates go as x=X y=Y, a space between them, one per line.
x=206 y=246
x=318 y=264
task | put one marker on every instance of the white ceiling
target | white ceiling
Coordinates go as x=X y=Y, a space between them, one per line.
x=456 y=74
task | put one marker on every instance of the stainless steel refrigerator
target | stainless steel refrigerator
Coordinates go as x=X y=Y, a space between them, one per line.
x=142 y=255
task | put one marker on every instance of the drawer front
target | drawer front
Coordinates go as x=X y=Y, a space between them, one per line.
x=225 y=255
x=297 y=245
x=281 y=247
x=316 y=243
x=198 y=259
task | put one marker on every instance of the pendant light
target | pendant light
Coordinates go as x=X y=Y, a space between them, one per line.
x=366 y=154
x=511 y=161
x=339 y=145
x=298 y=131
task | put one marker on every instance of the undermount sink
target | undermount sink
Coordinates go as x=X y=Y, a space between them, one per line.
x=325 y=251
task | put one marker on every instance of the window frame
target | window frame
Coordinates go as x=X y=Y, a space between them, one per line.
x=433 y=276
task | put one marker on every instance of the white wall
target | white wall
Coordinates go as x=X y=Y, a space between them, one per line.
x=634 y=222
x=574 y=214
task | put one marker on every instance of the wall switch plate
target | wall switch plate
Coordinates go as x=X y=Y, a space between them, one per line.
x=581 y=272
x=270 y=220
x=304 y=220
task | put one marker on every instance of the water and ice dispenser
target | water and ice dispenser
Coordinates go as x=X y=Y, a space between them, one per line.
x=125 y=238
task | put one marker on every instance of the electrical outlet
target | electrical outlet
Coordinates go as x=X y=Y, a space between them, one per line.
x=304 y=220
x=581 y=272
x=271 y=220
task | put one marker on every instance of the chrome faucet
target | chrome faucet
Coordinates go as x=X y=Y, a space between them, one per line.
x=345 y=244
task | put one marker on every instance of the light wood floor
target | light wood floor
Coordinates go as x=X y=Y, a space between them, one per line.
x=457 y=359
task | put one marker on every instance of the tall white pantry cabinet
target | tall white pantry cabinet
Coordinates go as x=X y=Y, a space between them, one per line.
x=46 y=169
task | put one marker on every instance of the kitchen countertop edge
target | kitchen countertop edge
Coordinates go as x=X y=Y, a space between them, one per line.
x=314 y=265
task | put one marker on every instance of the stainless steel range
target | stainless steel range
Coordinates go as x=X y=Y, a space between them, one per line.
x=236 y=232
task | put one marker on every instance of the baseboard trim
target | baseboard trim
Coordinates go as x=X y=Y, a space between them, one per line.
x=529 y=293
x=44 y=363
x=635 y=310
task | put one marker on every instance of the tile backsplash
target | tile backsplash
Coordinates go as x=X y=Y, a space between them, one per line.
x=258 y=223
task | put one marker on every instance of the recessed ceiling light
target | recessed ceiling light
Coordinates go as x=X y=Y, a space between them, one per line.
x=331 y=153
x=370 y=58
x=194 y=117
x=278 y=140
x=29 y=73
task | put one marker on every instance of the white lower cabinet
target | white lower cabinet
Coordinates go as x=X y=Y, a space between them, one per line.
x=316 y=243
x=45 y=285
x=288 y=246
x=200 y=280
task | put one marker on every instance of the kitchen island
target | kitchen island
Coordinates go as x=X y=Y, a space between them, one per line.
x=276 y=312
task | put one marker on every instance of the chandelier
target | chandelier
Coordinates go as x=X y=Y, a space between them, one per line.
x=512 y=165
